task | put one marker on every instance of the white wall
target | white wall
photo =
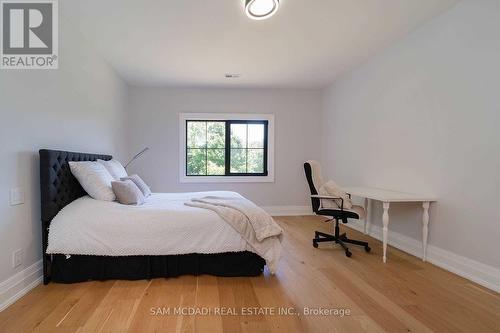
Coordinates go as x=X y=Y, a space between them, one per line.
x=154 y=119
x=423 y=116
x=78 y=107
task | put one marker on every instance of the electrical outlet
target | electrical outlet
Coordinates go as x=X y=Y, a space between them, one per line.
x=16 y=196
x=17 y=258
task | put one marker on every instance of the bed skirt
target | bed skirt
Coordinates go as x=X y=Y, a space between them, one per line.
x=80 y=268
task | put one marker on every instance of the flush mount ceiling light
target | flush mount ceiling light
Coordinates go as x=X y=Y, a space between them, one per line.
x=261 y=9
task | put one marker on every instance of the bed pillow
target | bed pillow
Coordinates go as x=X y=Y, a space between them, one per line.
x=140 y=184
x=127 y=192
x=115 y=168
x=330 y=188
x=94 y=178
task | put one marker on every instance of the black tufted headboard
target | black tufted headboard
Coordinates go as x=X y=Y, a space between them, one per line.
x=58 y=186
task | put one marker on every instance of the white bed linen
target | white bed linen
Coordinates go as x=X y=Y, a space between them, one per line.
x=256 y=226
x=162 y=226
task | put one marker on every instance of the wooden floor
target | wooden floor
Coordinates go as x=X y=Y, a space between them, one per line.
x=404 y=295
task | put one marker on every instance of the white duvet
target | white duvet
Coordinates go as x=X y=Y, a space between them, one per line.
x=162 y=226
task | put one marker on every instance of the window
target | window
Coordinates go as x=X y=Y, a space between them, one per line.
x=226 y=148
x=223 y=147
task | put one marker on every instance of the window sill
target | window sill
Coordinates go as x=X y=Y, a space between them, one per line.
x=227 y=179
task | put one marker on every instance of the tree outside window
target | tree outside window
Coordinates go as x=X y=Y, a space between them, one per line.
x=226 y=148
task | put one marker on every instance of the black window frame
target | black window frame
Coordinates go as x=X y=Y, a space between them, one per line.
x=227 y=147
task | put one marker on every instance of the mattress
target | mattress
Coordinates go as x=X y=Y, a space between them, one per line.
x=163 y=225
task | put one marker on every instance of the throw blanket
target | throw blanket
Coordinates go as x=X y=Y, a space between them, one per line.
x=250 y=221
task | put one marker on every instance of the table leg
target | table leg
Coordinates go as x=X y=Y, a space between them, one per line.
x=385 y=221
x=425 y=228
x=367 y=221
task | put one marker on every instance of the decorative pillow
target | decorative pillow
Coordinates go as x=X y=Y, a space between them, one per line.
x=140 y=184
x=94 y=178
x=332 y=189
x=115 y=168
x=127 y=192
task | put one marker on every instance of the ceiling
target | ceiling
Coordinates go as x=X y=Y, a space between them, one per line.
x=307 y=44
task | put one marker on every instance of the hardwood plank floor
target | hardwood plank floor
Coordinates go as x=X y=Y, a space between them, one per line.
x=404 y=295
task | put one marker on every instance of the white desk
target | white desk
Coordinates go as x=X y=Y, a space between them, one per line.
x=387 y=197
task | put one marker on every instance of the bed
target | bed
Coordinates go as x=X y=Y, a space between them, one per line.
x=95 y=246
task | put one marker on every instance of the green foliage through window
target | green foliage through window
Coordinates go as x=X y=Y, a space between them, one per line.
x=226 y=148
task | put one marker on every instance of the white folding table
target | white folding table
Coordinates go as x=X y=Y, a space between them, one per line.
x=387 y=197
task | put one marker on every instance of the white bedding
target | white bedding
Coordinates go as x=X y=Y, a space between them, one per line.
x=162 y=226
x=256 y=226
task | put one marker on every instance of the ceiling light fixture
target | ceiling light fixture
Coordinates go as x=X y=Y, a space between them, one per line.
x=261 y=9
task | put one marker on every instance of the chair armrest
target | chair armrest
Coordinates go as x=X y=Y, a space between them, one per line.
x=319 y=196
x=328 y=197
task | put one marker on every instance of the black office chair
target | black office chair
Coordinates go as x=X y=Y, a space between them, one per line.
x=314 y=179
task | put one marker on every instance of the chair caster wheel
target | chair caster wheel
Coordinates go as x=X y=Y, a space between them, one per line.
x=367 y=248
x=315 y=244
x=348 y=253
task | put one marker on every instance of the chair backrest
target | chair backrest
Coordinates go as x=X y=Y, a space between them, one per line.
x=315 y=180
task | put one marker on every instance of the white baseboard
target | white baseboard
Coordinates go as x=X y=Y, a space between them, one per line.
x=288 y=210
x=19 y=284
x=485 y=275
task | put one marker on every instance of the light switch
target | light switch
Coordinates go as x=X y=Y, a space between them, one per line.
x=16 y=196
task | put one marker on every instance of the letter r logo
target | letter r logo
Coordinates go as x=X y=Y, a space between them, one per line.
x=27 y=27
